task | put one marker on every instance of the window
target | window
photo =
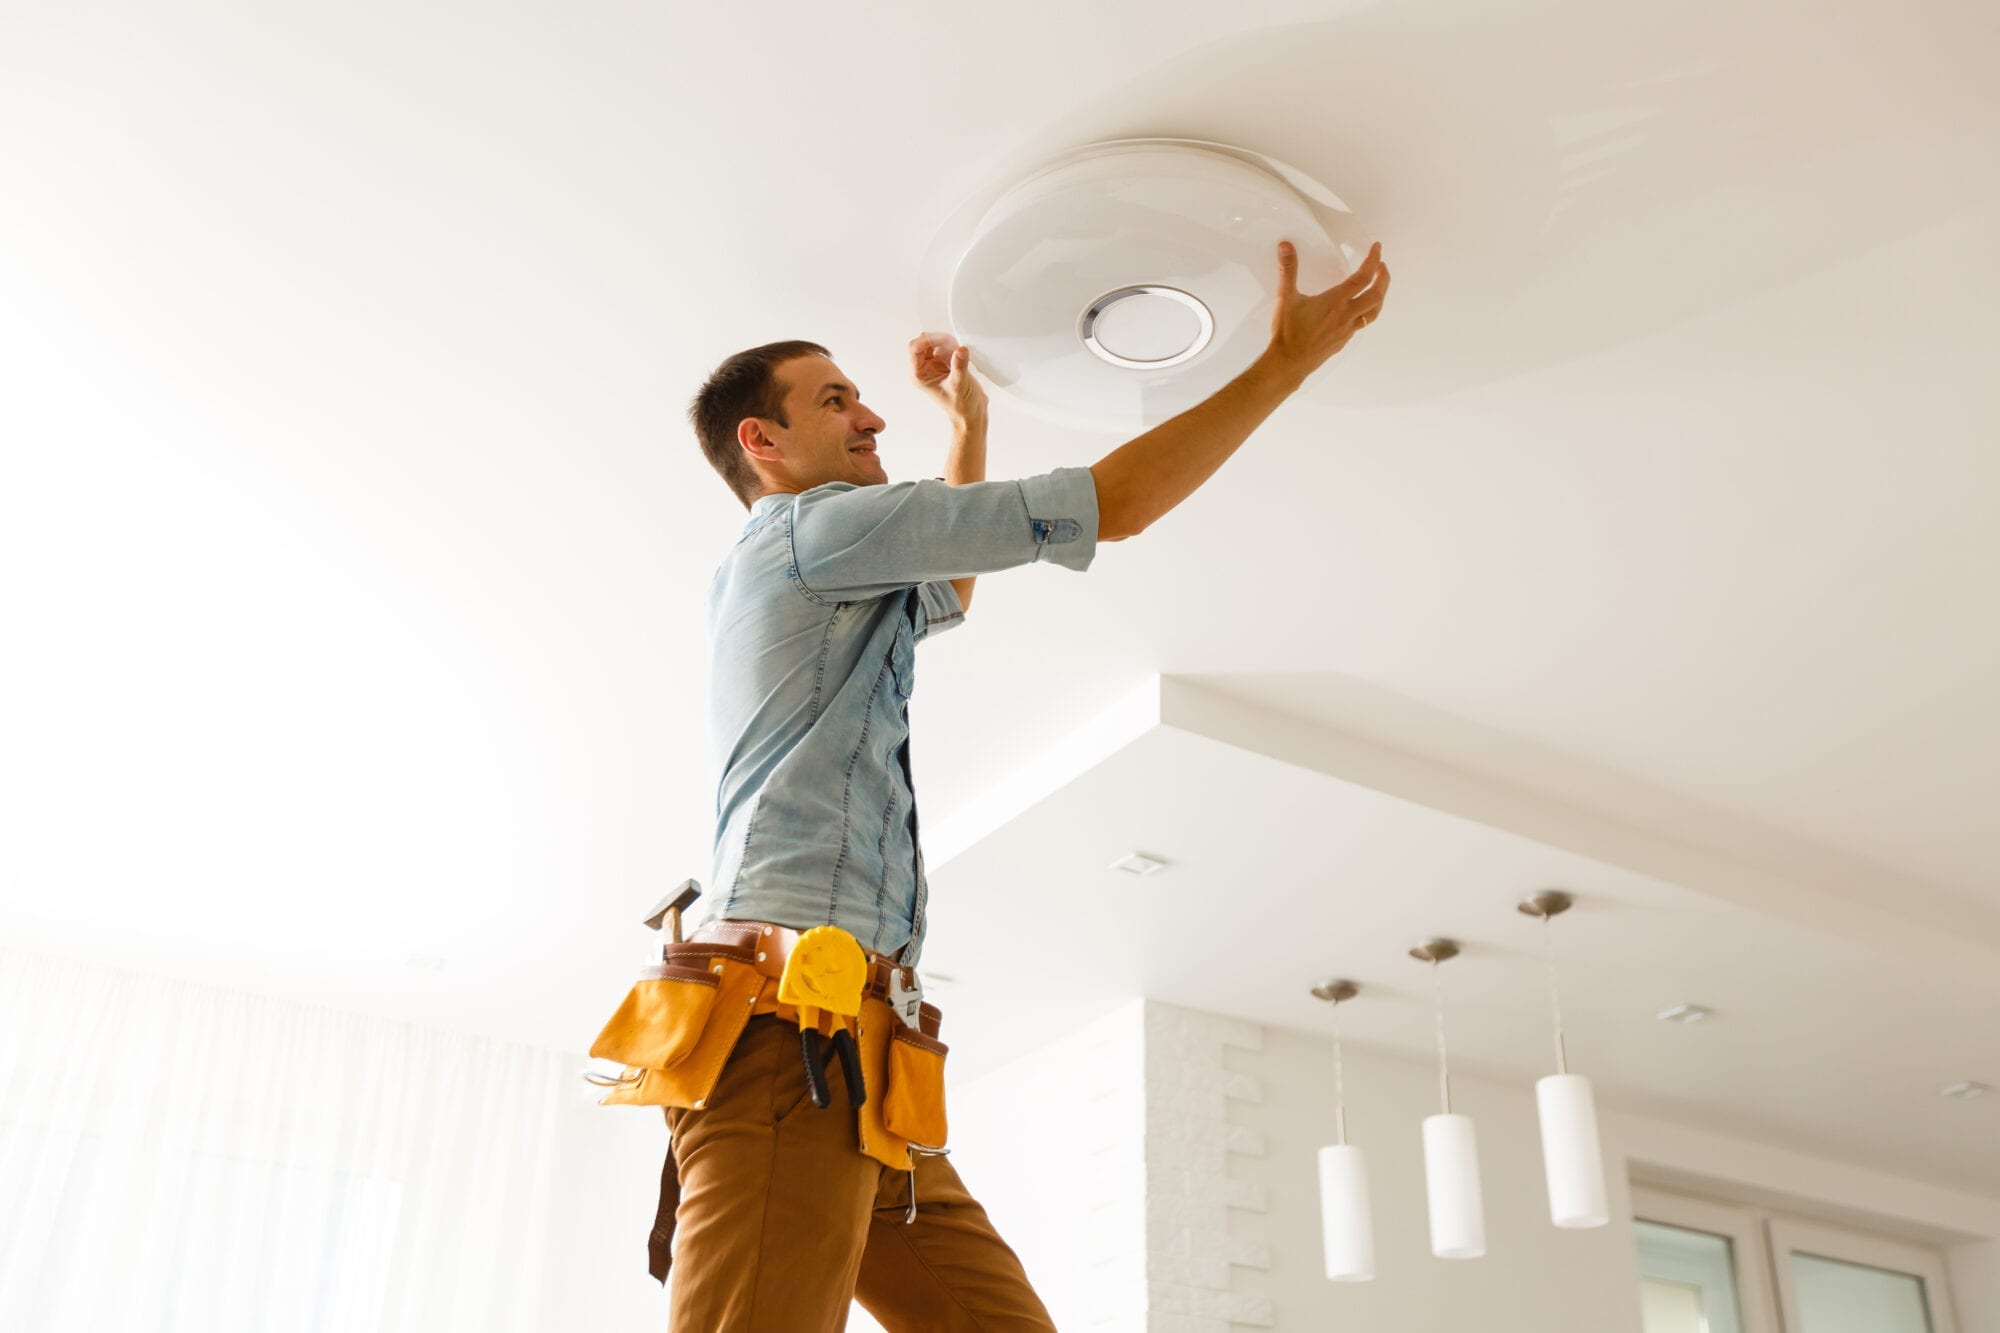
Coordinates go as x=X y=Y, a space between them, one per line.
x=1708 y=1267
x=1699 y=1267
x=1832 y=1281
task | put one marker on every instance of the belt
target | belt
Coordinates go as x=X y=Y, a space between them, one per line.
x=768 y=945
x=771 y=946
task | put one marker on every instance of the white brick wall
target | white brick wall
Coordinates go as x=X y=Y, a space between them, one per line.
x=1131 y=1214
x=1200 y=1219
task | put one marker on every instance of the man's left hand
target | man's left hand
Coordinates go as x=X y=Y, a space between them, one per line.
x=943 y=370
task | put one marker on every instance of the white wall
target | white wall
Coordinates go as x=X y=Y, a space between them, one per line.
x=1975 y=1286
x=1052 y=1145
x=606 y=1187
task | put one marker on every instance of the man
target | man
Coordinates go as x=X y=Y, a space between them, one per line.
x=783 y=1216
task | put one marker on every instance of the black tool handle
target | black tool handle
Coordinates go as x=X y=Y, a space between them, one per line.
x=815 y=1066
x=850 y=1066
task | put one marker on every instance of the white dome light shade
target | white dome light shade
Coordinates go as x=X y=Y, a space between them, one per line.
x=1129 y=281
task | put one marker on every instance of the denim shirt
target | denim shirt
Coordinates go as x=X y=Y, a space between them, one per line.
x=814 y=619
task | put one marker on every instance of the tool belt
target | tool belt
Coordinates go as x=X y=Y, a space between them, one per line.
x=683 y=1016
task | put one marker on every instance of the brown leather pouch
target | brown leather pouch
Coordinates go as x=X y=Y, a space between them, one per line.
x=677 y=1027
x=876 y=1030
x=661 y=1019
x=913 y=1101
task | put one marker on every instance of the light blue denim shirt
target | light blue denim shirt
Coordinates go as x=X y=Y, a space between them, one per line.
x=813 y=621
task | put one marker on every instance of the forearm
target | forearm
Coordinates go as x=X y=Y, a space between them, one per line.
x=1144 y=478
x=966 y=463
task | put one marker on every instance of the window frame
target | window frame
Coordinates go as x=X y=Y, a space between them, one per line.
x=1790 y=1235
x=1749 y=1250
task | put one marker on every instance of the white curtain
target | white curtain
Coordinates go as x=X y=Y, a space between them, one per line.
x=175 y=1157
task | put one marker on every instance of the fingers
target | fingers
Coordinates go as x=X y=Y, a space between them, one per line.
x=1357 y=282
x=933 y=357
x=1288 y=271
x=1369 y=306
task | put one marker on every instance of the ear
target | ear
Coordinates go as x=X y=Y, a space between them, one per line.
x=750 y=435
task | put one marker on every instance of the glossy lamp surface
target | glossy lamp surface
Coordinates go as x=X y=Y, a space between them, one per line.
x=1451 y=1177
x=1345 y=1227
x=1125 y=283
x=1571 y=1153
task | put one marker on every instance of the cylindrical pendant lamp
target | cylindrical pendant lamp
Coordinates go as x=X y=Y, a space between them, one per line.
x=1571 y=1154
x=1451 y=1150
x=1451 y=1175
x=1346 y=1225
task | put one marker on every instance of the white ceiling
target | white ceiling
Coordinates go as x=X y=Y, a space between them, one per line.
x=355 y=546
x=1299 y=853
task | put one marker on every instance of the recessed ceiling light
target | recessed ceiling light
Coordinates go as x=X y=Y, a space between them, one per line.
x=1684 y=1013
x=1138 y=863
x=1965 y=1092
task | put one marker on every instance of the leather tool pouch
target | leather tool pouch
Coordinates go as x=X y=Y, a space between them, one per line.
x=678 y=1025
x=662 y=1017
x=896 y=1113
x=913 y=1101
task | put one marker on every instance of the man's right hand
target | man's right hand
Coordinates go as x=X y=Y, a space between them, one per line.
x=1307 y=330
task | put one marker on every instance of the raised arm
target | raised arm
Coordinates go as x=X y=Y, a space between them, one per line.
x=1142 y=479
x=943 y=370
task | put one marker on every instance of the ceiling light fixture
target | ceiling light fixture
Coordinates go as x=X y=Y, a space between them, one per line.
x=1964 y=1092
x=1345 y=1224
x=1451 y=1150
x=1685 y=1013
x=1138 y=863
x=1120 y=283
x=1571 y=1155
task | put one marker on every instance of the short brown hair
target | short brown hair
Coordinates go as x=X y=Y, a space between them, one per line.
x=746 y=385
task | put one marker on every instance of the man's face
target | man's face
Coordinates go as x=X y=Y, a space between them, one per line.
x=829 y=434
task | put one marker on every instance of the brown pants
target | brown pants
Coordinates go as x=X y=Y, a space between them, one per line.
x=783 y=1222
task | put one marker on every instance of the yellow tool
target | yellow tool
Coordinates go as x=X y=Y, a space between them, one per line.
x=827 y=973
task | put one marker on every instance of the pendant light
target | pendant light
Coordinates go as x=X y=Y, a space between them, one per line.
x=1345 y=1224
x=1571 y=1153
x=1451 y=1151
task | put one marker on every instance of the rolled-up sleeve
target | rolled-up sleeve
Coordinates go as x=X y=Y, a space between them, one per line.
x=853 y=543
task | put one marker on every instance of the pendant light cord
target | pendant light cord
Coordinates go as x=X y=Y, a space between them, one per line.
x=1444 y=1061
x=1339 y=1084
x=1555 y=994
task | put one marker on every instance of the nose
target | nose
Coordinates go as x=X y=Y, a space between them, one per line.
x=867 y=422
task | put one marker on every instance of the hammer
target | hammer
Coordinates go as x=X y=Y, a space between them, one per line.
x=668 y=912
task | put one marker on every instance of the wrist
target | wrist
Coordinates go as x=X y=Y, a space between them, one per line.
x=966 y=420
x=1275 y=372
